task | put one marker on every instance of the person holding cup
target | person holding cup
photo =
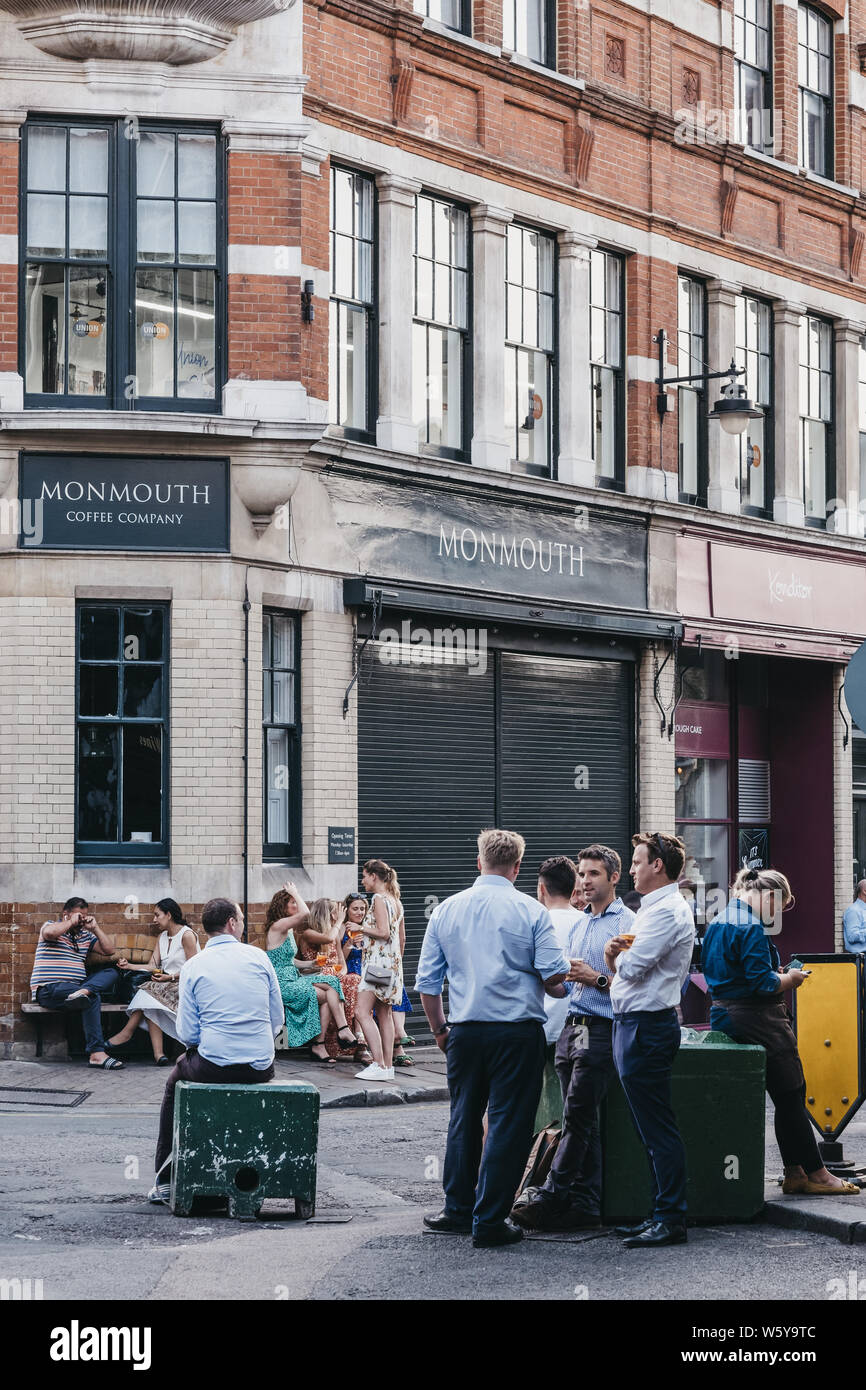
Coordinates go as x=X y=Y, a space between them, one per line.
x=649 y=966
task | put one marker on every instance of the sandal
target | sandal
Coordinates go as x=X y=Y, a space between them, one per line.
x=803 y=1187
x=161 y=1061
x=110 y=1064
x=403 y=1062
x=346 y=1046
x=407 y=1041
x=322 y=1061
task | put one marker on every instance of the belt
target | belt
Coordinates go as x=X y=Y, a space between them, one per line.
x=583 y=1020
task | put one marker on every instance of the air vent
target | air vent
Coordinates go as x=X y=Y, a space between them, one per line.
x=754 y=780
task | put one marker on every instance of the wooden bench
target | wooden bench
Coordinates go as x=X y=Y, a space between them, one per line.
x=37 y=1012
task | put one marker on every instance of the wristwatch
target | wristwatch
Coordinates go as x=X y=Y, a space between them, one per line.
x=437 y=1032
x=602 y=982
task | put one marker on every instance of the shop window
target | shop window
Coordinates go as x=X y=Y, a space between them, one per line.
x=351 y=310
x=815 y=91
x=753 y=51
x=754 y=352
x=455 y=14
x=607 y=358
x=122 y=254
x=122 y=732
x=817 y=456
x=530 y=304
x=691 y=398
x=529 y=28
x=281 y=724
x=440 y=332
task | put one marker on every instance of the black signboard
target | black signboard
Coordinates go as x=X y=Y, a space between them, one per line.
x=754 y=848
x=116 y=502
x=574 y=553
x=341 y=844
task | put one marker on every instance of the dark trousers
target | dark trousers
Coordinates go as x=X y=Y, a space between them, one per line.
x=644 y=1047
x=794 y=1133
x=497 y=1067
x=101 y=983
x=584 y=1065
x=190 y=1067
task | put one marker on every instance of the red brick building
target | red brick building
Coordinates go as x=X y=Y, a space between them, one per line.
x=380 y=285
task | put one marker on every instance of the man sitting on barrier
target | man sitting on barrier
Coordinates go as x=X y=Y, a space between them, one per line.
x=60 y=979
x=229 y=1012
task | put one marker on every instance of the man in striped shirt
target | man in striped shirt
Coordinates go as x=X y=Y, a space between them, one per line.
x=571 y=1196
x=60 y=979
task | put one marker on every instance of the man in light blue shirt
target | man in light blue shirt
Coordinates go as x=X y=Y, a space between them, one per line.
x=854 y=922
x=229 y=1012
x=499 y=951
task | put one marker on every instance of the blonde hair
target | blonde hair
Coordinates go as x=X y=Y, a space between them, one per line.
x=385 y=873
x=764 y=881
x=320 y=916
x=500 y=849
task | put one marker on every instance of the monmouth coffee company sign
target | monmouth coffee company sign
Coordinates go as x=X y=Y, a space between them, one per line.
x=573 y=554
x=115 y=502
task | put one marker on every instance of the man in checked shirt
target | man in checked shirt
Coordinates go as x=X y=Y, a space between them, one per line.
x=570 y=1199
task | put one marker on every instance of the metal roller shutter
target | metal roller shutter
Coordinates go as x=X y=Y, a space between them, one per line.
x=444 y=751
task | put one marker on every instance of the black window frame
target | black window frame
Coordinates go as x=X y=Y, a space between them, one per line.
x=422 y=7
x=121 y=262
x=371 y=392
x=765 y=75
x=283 y=852
x=440 y=450
x=827 y=98
x=830 y=490
x=517 y=465
x=548 y=12
x=769 y=409
x=122 y=851
x=618 y=480
x=696 y=361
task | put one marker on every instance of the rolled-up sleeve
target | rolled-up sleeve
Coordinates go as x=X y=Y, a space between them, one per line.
x=549 y=958
x=649 y=946
x=432 y=965
x=188 y=1017
x=757 y=963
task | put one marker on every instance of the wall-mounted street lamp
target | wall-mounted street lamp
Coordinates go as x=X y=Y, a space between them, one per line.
x=733 y=409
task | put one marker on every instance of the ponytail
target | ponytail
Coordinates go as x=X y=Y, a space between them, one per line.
x=385 y=873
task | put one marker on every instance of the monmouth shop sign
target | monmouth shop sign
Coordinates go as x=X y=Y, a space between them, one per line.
x=115 y=502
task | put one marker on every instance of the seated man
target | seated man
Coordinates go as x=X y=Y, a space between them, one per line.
x=229 y=1012
x=60 y=980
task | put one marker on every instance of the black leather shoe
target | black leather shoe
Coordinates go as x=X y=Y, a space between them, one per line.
x=634 y=1230
x=506 y=1234
x=453 y=1225
x=659 y=1233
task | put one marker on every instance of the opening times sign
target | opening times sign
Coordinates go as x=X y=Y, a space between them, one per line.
x=118 y=502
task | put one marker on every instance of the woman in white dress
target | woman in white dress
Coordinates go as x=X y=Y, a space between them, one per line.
x=381 y=986
x=154 y=1004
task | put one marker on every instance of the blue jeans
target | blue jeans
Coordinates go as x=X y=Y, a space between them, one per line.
x=644 y=1047
x=497 y=1067
x=100 y=983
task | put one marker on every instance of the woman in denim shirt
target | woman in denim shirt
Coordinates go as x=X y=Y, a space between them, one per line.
x=742 y=969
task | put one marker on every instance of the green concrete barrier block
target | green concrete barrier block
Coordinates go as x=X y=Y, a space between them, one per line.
x=245 y=1143
x=719 y=1101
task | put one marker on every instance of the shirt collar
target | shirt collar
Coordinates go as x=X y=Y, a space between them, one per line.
x=658 y=893
x=220 y=937
x=615 y=907
x=492 y=881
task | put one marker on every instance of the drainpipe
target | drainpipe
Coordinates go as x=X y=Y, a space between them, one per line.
x=247 y=606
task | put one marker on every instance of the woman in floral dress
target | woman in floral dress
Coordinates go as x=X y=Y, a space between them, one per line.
x=382 y=953
x=312 y=1000
x=319 y=937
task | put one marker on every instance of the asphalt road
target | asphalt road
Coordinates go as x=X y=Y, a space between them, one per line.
x=73 y=1214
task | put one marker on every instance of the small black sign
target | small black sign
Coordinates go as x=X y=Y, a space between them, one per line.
x=115 y=502
x=754 y=848
x=341 y=844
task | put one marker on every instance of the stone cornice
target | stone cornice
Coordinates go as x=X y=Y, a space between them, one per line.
x=162 y=31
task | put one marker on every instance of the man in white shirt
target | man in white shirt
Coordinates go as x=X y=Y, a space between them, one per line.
x=557 y=879
x=650 y=970
x=229 y=1012
x=854 y=922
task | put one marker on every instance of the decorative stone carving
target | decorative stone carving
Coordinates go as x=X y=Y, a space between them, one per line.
x=263 y=487
x=156 y=31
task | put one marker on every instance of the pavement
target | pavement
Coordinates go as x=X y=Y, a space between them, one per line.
x=60 y=1084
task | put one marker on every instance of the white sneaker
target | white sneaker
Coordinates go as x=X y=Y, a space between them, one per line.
x=375 y=1073
x=160 y=1192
